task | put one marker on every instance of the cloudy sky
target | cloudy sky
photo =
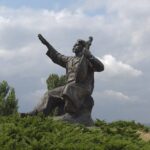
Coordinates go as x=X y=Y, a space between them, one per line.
x=121 y=31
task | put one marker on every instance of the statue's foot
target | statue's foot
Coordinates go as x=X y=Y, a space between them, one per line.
x=84 y=119
x=32 y=113
x=23 y=114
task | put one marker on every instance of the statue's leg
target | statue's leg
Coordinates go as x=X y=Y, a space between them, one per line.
x=74 y=95
x=69 y=107
x=49 y=102
x=81 y=115
x=87 y=105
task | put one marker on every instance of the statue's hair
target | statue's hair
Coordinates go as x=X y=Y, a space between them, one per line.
x=82 y=42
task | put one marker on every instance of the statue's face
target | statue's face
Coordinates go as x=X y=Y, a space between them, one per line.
x=78 y=47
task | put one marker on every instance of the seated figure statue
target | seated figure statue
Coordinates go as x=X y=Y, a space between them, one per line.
x=74 y=100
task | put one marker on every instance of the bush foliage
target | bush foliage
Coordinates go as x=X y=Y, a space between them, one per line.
x=8 y=101
x=44 y=133
x=55 y=81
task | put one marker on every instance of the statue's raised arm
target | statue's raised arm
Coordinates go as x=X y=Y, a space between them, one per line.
x=43 y=40
x=52 y=53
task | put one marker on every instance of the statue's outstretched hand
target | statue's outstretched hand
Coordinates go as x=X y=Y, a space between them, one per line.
x=42 y=39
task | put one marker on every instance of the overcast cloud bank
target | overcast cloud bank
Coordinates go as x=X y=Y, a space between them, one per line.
x=121 y=41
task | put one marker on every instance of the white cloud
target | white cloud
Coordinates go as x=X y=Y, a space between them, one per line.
x=124 y=7
x=126 y=27
x=43 y=81
x=5 y=54
x=90 y=5
x=115 y=68
x=38 y=94
x=117 y=95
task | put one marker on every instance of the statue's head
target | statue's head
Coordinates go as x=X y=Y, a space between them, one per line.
x=79 y=46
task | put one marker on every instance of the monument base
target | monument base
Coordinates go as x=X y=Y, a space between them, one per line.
x=84 y=119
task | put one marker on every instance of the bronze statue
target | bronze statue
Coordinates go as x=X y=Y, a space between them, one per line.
x=74 y=100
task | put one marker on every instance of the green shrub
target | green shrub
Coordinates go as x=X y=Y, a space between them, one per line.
x=8 y=101
x=44 y=133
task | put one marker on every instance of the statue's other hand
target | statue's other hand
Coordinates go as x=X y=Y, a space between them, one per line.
x=42 y=39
